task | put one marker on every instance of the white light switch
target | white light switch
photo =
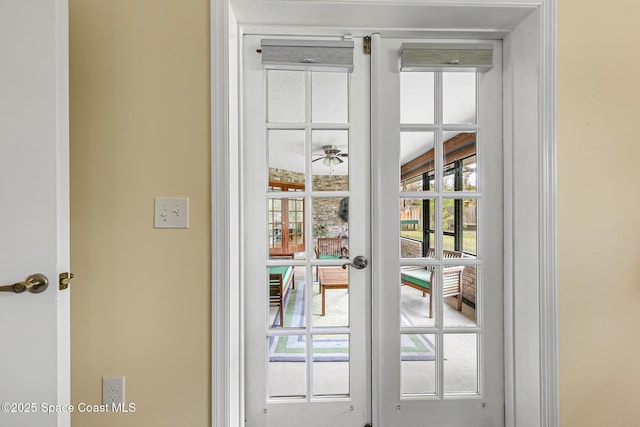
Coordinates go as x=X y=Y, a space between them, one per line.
x=172 y=212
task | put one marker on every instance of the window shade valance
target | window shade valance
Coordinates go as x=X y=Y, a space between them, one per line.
x=446 y=57
x=315 y=55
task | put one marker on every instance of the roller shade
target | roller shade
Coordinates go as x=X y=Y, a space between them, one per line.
x=446 y=57
x=315 y=55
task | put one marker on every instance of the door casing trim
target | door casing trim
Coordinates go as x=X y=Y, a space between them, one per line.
x=531 y=330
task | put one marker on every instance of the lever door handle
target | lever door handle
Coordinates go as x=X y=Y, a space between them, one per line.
x=359 y=262
x=35 y=284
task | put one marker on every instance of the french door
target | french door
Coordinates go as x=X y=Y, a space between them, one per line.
x=404 y=170
x=307 y=328
x=437 y=147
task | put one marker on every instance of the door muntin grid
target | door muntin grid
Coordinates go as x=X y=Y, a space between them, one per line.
x=440 y=199
x=322 y=176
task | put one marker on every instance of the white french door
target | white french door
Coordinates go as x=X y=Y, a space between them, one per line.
x=402 y=168
x=305 y=212
x=437 y=147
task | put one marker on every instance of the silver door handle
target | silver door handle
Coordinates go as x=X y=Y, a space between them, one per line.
x=35 y=284
x=359 y=262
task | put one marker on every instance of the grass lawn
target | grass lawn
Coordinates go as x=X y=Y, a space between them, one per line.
x=412 y=234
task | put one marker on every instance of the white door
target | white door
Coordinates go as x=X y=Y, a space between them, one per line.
x=305 y=213
x=34 y=223
x=437 y=144
x=421 y=343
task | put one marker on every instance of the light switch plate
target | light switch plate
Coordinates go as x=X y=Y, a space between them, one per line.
x=171 y=212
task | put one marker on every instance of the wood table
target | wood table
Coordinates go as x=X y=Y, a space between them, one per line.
x=332 y=278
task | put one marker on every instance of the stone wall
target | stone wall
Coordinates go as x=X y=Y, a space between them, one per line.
x=410 y=248
x=325 y=209
x=330 y=183
x=282 y=175
x=320 y=182
x=469 y=286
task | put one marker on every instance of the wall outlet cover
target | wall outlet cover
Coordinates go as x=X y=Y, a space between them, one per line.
x=112 y=390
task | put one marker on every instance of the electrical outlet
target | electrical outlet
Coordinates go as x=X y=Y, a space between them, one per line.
x=112 y=390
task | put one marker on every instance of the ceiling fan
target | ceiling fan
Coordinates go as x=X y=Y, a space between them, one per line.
x=332 y=156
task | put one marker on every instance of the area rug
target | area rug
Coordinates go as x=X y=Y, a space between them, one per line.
x=328 y=348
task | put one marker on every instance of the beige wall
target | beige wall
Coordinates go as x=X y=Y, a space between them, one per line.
x=139 y=129
x=599 y=207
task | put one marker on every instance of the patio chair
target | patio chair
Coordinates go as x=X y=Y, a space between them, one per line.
x=330 y=248
x=421 y=278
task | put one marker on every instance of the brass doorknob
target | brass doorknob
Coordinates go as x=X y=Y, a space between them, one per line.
x=35 y=284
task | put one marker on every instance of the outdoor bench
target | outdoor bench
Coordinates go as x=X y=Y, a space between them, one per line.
x=409 y=224
x=421 y=279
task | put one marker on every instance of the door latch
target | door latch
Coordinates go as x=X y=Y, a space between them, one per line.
x=65 y=280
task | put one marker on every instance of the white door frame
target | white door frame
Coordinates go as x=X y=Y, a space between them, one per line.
x=530 y=105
